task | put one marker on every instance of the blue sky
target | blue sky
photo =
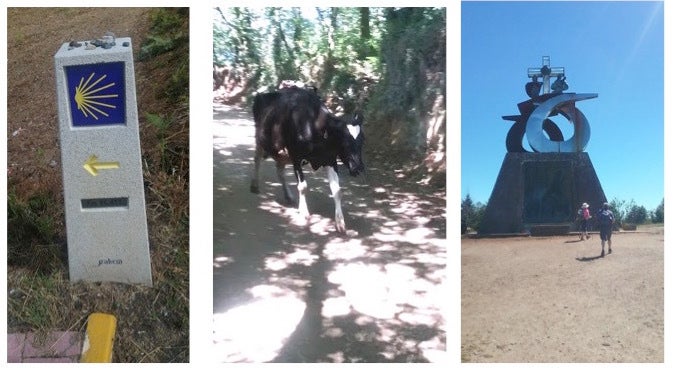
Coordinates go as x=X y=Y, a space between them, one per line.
x=614 y=49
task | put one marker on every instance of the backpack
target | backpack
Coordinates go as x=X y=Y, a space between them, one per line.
x=606 y=217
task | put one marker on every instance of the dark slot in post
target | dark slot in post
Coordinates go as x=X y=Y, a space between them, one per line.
x=105 y=203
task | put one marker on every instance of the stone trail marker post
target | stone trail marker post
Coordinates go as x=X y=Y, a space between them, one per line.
x=104 y=199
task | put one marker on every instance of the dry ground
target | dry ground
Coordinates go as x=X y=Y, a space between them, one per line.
x=555 y=300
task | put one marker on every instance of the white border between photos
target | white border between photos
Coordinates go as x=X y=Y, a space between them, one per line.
x=201 y=164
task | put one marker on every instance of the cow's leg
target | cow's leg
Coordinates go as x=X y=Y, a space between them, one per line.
x=256 y=169
x=302 y=191
x=280 y=173
x=334 y=182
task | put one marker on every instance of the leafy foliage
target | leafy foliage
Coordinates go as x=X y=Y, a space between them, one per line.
x=620 y=208
x=657 y=215
x=388 y=63
x=625 y=212
x=168 y=32
x=412 y=50
x=472 y=214
x=408 y=103
x=170 y=36
x=32 y=232
x=629 y=212
x=29 y=219
x=275 y=44
x=236 y=39
x=167 y=46
x=636 y=215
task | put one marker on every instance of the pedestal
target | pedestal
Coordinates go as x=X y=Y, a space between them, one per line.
x=540 y=188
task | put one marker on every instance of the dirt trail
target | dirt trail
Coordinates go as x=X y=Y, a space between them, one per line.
x=555 y=300
x=288 y=292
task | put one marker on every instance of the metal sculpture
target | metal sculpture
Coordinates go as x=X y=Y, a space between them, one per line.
x=538 y=189
x=534 y=121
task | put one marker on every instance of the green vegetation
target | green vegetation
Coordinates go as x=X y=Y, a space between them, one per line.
x=472 y=214
x=657 y=216
x=32 y=232
x=27 y=220
x=167 y=33
x=636 y=215
x=388 y=63
x=169 y=41
x=628 y=212
x=624 y=213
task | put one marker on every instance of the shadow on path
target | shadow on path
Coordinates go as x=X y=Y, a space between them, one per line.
x=573 y=241
x=285 y=291
x=588 y=259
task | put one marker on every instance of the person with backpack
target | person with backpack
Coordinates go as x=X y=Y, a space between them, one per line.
x=606 y=222
x=584 y=215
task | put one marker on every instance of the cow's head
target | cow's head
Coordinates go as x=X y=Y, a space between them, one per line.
x=352 y=142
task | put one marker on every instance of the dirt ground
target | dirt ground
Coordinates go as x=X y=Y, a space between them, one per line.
x=373 y=295
x=555 y=300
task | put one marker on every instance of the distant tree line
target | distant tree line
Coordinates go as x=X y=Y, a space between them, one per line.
x=625 y=212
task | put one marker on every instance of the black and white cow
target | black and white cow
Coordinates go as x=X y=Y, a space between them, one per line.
x=293 y=126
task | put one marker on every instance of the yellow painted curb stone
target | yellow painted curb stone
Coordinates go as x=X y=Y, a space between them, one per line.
x=99 y=339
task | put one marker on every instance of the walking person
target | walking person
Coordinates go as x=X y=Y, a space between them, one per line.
x=606 y=222
x=584 y=214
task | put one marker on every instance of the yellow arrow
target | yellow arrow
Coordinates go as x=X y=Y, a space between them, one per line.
x=93 y=166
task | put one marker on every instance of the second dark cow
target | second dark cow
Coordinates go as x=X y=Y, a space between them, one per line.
x=293 y=126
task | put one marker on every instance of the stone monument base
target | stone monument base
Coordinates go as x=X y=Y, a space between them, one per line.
x=541 y=188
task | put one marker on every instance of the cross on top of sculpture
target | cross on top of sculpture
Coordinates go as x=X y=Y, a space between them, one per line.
x=546 y=72
x=534 y=121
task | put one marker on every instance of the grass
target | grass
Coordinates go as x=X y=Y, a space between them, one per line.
x=32 y=232
x=651 y=227
x=152 y=322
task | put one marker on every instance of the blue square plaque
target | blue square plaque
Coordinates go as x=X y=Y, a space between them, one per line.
x=96 y=94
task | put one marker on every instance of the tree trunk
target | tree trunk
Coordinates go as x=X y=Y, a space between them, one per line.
x=329 y=62
x=364 y=49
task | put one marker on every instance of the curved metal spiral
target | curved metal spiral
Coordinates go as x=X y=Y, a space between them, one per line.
x=534 y=121
x=563 y=103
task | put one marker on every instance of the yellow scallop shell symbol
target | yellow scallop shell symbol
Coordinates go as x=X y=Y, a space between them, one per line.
x=87 y=97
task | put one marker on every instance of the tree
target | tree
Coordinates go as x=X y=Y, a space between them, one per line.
x=478 y=215
x=472 y=214
x=237 y=56
x=619 y=207
x=658 y=214
x=365 y=48
x=467 y=213
x=636 y=215
x=410 y=97
x=329 y=20
x=327 y=49
x=235 y=40
x=387 y=63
